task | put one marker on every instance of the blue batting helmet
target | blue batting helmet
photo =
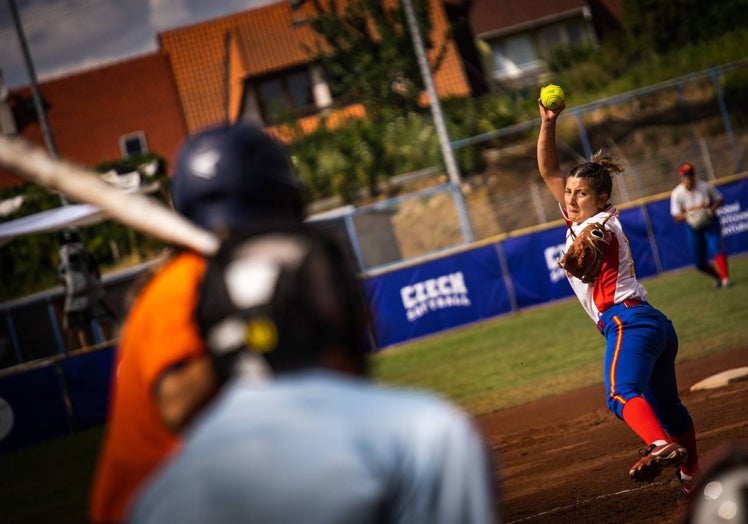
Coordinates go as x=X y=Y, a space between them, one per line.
x=235 y=176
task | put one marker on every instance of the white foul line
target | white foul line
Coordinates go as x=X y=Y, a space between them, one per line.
x=587 y=501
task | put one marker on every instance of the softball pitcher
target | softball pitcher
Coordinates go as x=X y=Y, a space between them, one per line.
x=641 y=343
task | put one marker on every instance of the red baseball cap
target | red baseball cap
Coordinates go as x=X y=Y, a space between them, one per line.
x=685 y=169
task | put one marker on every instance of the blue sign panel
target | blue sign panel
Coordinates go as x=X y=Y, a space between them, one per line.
x=634 y=226
x=88 y=378
x=733 y=215
x=32 y=408
x=436 y=295
x=532 y=261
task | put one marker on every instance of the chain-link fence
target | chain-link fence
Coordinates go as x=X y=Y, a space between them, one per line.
x=700 y=118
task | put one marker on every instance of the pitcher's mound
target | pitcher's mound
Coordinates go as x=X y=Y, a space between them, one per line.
x=722 y=379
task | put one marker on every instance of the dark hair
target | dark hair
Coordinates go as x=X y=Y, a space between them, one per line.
x=598 y=171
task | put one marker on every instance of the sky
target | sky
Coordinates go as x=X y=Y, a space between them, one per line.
x=64 y=36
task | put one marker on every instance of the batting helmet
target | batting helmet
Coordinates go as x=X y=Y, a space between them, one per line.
x=283 y=297
x=233 y=176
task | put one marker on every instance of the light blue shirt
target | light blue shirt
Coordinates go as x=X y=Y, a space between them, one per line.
x=318 y=447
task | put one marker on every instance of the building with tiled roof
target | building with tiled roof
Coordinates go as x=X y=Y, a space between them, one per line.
x=105 y=113
x=242 y=65
x=517 y=36
x=239 y=65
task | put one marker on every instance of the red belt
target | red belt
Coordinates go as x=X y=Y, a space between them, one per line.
x=627 y=303
x=632 y=302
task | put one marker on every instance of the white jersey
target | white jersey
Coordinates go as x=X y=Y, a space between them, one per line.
x=319 y=447
x=702 y=194
x=617 y=279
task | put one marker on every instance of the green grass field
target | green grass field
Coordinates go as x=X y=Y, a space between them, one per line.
x=555 y=348
x=483 y=367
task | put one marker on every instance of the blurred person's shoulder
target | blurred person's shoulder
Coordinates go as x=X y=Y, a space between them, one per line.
x=174 y=276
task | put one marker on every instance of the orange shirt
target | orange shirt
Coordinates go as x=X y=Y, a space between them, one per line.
x=159 y=333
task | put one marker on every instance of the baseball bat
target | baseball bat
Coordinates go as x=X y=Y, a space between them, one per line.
x=142 y=213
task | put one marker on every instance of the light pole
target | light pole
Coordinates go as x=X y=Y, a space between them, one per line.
x=436 y=113
x=438 y=116
x=38 y=103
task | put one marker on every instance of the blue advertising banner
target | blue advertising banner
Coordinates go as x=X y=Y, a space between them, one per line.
x=32 y=408
x=670 y=237
x=634 y=226
x=532 y=263
x=733 y=215
x=436 y=295
x=88 y=379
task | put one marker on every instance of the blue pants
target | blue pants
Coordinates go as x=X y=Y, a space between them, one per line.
x=705 y=243
x=641 y=346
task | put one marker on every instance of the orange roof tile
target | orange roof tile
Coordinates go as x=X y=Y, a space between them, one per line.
x=211 y=59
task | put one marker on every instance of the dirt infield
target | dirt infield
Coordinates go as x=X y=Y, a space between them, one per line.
x=566 y=458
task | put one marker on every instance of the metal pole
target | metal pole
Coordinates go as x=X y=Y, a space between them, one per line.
x=441 y=128
x=38 y=103
x=726 y=120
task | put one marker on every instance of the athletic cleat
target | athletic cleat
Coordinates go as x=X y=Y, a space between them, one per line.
x=726 y=282
x=654 y=458
x=686 y=487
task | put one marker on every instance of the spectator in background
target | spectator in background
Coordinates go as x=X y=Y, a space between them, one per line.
x=84 y=307
x=695 y=202
x=226 y=178
x=299 y=434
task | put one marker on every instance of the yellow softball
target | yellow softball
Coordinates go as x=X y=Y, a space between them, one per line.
x=552 y=96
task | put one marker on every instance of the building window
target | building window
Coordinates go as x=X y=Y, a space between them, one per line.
x=553 y=36
x=514 y=57
x=285 y=95
x=133 y=144
x=577 y=32
x=573 y=32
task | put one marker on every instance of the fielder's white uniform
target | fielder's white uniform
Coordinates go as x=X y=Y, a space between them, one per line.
x=317 y=447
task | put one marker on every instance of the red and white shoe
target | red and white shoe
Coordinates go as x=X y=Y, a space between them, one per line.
x=654 y=458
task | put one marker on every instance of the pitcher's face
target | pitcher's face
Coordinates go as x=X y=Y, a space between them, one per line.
x=581 y=201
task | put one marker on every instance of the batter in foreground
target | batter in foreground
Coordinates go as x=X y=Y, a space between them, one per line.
x=298 y=433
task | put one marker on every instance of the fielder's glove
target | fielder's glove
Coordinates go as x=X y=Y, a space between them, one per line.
x=586 y=254
x=698 y=218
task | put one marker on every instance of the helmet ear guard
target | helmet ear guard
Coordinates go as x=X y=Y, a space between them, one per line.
x=285 y=296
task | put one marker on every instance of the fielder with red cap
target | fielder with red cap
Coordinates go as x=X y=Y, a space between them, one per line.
x=695 y=202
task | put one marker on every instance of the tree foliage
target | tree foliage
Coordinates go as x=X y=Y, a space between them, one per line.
x=29 y=263
x=664 y=25
x=367 y=52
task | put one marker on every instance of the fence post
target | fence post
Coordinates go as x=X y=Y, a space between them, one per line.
x=582 y=133
x=13 y=336
x=538 y=203
x=56 y=328
x=726 y=120
x=350 y=227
